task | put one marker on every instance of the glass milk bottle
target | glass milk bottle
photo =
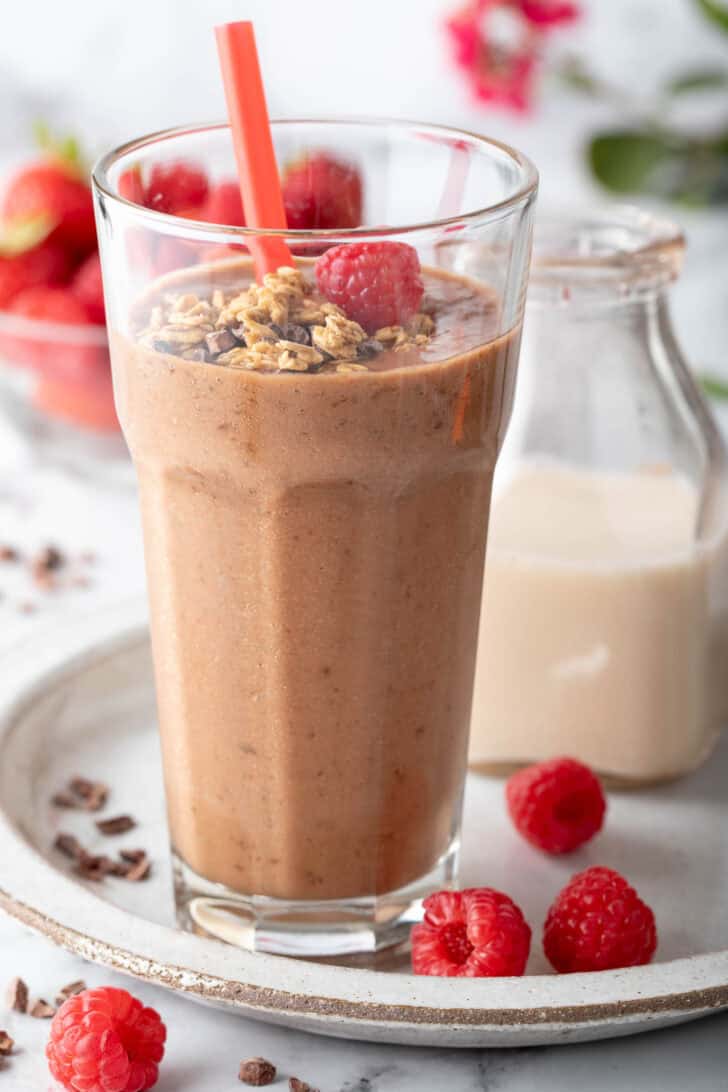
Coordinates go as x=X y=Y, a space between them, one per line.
x=604 y=632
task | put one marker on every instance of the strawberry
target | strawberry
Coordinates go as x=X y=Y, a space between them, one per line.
x=88 y=401
x=131 y=186
x=224 y=205
x=322 y=192
x=47 y=263
x=175 y=186
x=50 y=189
x=45 y=350
x=50 y=304
x=87 y=286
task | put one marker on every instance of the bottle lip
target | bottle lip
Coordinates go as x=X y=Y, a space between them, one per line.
x=610 y=247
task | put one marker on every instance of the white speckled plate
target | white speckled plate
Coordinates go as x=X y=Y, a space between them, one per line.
x=80 y=700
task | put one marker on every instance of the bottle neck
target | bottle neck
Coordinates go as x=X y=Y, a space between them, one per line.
x=603 y=386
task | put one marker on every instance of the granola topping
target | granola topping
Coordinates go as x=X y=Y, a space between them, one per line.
x=283 y=325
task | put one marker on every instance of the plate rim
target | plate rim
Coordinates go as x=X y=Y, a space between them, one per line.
x=257 y=982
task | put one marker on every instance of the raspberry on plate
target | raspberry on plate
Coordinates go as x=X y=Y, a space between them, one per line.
x=175 y=186
x=53 y=190
x=104 y=1040
x=556 y=805
x=320 y=191
x=474 y=933
x=598 y=922
x=376 y=284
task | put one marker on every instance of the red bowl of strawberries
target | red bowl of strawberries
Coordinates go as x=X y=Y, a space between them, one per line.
x=51 y=299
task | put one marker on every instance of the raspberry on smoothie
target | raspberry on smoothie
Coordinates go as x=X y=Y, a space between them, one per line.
x=378 y=284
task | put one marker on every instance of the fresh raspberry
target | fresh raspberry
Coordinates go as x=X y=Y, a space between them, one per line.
x=105 y=1041
x=322 y=192
x=474 y=933
x=556 y=805
x=45 y=264
x=598 y=922
x=377 y=284
x=51 y=189
x=224 y=205
x=87 y=286
x=174 y=186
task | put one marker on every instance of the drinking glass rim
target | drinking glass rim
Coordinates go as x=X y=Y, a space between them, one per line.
x=525 y=191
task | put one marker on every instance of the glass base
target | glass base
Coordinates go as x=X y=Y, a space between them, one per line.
x=332 y=927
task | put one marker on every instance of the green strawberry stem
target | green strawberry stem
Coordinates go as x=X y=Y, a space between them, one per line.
x=64 y=149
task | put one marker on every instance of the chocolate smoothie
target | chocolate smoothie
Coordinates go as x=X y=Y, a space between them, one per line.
x=315 y=522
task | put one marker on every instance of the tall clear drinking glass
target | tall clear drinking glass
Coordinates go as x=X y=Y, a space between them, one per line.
x=314 y=473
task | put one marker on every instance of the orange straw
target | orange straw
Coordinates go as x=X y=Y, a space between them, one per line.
x=260 y=186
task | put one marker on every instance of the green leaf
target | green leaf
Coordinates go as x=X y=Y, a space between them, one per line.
x=716 y=12
x=17 y=236
x=699 y=79
x=668 y=163
x=714 y=387
x=66 y=149
x=623 y=160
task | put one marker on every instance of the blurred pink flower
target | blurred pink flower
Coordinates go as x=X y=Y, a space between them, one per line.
x=548 y=13
x=500 y=67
